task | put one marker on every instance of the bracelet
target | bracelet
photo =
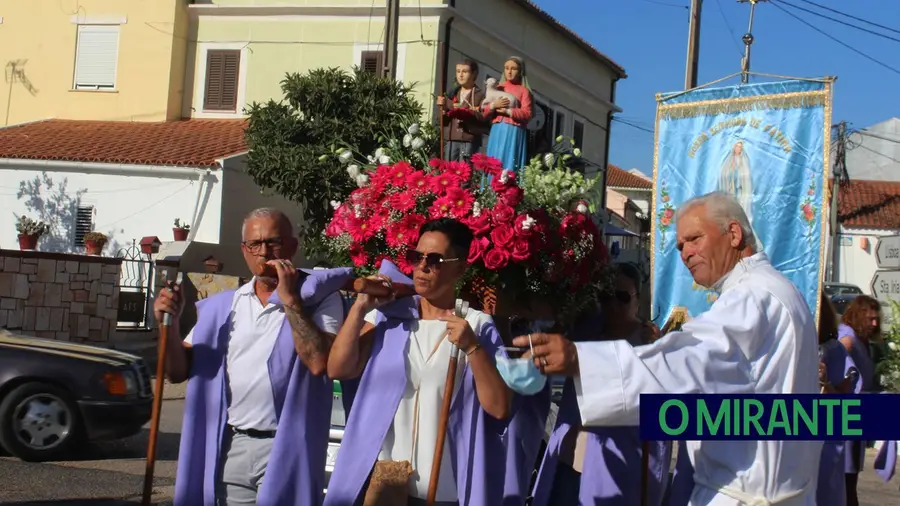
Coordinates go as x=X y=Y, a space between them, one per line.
x=474 y=349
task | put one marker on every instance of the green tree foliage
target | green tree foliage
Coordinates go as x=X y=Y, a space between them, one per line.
x=293 y=142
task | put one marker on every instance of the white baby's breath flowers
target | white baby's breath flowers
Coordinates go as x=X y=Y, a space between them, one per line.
x=413 y=129
x=353 y=170
x=417 y=143
x=362 y=180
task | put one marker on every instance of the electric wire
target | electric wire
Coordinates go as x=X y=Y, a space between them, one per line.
x=895 y=39
x=734 y=38
x=852 y=16
x=835 y=39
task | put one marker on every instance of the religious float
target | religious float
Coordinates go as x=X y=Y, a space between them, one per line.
x=537 y=252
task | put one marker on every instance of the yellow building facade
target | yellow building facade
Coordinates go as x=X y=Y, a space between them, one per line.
x=120 y=60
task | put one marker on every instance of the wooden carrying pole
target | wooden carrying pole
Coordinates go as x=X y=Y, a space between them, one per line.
x=157 y=403
x=462 y=309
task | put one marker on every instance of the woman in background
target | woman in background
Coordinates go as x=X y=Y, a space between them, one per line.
x=860 y=325
x=835 y=366
x=611 y=457
x=507 y=140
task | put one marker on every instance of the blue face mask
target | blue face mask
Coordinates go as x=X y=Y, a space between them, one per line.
x=521 y=375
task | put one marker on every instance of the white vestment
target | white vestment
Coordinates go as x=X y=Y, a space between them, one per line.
x=758 y=337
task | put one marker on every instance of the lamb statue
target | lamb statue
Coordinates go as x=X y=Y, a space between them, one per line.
x=492 y=93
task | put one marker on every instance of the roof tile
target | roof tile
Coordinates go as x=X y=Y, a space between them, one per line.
x=870 y=204
x=187 y=143
x=619 y=178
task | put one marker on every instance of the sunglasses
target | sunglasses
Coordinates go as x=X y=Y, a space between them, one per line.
x=432 y=260
x=272 y=244
x=622 y=296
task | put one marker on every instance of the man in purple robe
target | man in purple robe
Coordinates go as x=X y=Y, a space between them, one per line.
x=249 y=400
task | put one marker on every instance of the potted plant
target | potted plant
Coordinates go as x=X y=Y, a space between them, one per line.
x=181 y=230
x=29 y=232
x=94 y=243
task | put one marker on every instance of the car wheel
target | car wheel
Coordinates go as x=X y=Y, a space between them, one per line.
x=38 y=422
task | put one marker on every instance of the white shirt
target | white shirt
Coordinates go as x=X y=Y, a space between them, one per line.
x=413 y=434
x=758 y=337
x=254 y=330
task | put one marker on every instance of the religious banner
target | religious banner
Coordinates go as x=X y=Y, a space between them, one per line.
x=767 y=145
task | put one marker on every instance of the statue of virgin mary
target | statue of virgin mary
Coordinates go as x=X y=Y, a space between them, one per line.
x=734 y=178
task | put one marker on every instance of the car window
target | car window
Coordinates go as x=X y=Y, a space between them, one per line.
x=830 y=290
x=851 y=290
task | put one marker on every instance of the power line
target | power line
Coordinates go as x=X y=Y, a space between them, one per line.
x=666 y=4
x=867 y=133
x=835 y=39
x=734 y=38
x=814 y=13
x=632 y=125
x=852 y=16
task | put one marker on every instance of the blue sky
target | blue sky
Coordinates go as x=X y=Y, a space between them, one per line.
x=649 y=39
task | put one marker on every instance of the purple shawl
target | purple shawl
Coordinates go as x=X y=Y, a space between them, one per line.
x=302 y=404
x=611 y=475
x=832 y=487
x=523 y=443
x=886 y=460
x=474 y=437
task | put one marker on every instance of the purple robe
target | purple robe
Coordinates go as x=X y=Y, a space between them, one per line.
x=474 y=437
x=612 y=468
x=886 y=460
x=832 y=487
x=523 y=443
x=302 y=404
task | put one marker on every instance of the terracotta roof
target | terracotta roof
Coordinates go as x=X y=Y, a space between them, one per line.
x=619 y=178
x=188 y=143
x=529 y=5
x=870 y=204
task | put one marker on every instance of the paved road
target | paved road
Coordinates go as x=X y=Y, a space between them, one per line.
x=112 y=474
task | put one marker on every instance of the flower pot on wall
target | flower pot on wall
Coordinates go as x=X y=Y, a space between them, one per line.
x=93 y=248
x=180 y=234
x=28 y=242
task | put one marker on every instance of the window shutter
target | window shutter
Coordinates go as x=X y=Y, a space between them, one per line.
x=84 y=223
x=222 y=74
x=96 y=56
x=578 y=134
x=372 y=62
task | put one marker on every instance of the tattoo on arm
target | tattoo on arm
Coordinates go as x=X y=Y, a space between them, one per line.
x=311 y=343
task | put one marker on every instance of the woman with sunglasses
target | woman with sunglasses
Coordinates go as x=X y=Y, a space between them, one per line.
x=611 y=457
x=402 y=350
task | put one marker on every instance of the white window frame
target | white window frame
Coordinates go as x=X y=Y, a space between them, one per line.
x=102 y=27
x=568 y=116
x=203 y=50
x=360 y=47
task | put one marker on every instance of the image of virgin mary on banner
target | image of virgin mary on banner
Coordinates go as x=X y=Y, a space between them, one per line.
x=767 y=145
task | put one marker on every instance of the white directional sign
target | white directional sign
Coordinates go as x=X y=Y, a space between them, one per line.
x=886 y=285
x=887 y=253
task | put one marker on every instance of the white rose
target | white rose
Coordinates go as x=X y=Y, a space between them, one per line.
x=476 y=209
x=345 y=156
x=371 y=159
x=413 y=129
x=353 y=170
x=550 y=160
x=417 y=143
x=576 y=152
x=581 y=208
x=335 y=204
x=892 y=345
x=528 y=222
x=384 y=160
x=407 y=140
x=362 y=180
x=379 y=152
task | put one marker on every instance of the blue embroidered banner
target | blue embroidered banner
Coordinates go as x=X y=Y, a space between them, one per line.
x=766 y=144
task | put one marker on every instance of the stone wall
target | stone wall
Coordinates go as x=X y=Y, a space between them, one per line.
x=59 y=296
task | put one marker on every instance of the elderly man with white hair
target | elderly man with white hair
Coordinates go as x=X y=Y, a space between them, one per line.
x=759 y=337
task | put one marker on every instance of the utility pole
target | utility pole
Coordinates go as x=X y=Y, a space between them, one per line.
x=748 y=41
x=840 y=174
x=693 y=56
x=391 y=34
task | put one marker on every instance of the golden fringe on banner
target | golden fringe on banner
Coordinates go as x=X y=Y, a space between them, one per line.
x=797 y=100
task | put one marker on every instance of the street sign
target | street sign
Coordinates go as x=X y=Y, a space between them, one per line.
x=887 y=253
x=886 y=286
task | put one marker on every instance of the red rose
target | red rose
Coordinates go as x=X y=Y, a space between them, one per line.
x=480 y=224
x=503 y=213
x=520 y=231
x=496 y=259
x=476 y=250
x=521 y=250
x=502 y=235
x=511 y=196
